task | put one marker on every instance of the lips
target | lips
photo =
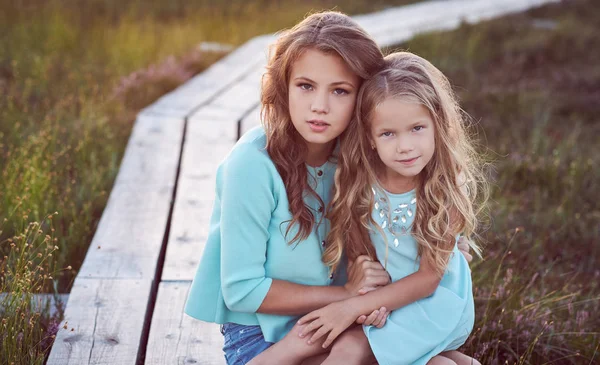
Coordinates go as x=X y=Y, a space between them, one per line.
x=408 y=161
x=318 y=123
x=318 y=126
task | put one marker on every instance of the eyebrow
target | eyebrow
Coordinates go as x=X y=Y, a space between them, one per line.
x=419 y=122
x=332 y=84
x=393 y=129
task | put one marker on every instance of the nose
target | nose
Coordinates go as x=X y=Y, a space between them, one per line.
x=404 y=145
x=320 y=103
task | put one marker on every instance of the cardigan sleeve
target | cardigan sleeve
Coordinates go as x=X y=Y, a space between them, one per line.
x=247 y=204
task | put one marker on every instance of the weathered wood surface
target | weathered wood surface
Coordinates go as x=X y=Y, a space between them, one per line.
x=218 y=78
x=399 y=24
x=127 y=302
x=130 y=233
x=105 y=320
x=208 y=140
x=251 y=120
x=212 y=130
x=182 y=340
x=114 y=285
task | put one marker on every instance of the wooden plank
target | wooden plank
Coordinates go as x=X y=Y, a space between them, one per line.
x=130 y=234
x=176 y=338
x=396 y=25
x=251 y=120
x=104 y=322
x=502 y=8
x=244 y=94
x=215 y=80
x=240 y=97
x=210 y=135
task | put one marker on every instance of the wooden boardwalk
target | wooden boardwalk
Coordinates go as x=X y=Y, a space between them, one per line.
x=126 y=305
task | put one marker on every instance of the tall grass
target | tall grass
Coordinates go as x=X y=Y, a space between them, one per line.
x=24 y=270
x=531 y=84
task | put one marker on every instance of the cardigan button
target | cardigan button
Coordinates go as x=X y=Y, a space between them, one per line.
x=320 y=173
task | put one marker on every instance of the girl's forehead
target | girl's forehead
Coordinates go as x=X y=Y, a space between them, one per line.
x=323 y=67
x=400 y=110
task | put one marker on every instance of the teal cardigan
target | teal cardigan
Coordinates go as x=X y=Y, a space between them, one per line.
x=247 y=248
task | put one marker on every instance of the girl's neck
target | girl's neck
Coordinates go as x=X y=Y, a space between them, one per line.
x=319 y=153
x=396 y=183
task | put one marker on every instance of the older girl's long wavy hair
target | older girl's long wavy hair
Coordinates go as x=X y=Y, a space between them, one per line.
x=328 y=32
x=451 y=188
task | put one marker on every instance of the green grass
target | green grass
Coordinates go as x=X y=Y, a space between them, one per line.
x=531 y=83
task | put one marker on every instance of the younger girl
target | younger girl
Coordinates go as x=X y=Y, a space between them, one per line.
x=407 y=182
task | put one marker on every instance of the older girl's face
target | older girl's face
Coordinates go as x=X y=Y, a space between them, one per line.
x=322 y=94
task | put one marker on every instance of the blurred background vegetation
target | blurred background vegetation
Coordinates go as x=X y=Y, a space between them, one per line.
x=74 y=73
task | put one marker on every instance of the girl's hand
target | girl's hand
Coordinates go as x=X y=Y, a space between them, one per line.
x=377 y=318
x=463 y=247
x=365 y=275
x=332 y=319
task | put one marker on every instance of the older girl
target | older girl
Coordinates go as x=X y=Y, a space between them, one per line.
x=262 y=266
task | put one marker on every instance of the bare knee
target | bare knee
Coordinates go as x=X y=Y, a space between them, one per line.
x=459 y=358
x=353 y=347
x=292 y=349
x=440 y=360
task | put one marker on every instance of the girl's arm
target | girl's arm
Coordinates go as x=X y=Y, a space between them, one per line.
x=288 y=298
x=337 y=317
x=246 y=194
x=409 y=289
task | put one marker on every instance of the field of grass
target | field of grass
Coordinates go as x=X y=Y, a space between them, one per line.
x=531 y=83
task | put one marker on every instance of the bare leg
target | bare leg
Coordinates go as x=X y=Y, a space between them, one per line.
x=459 y=358
x=315 y=360
x=440 y=360
x=292 y=349
x=351 y=348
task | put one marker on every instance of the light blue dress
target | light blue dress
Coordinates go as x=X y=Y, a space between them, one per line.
x=441 y=322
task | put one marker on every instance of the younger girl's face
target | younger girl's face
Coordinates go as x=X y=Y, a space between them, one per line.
x=322 y=93
x=403 y=135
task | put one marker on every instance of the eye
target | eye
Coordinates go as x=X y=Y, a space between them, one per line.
x=418 y=128
x=387 y=134
x=340 y=91
x=305 y=86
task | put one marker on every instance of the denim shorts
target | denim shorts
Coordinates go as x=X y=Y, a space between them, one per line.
x=242 y=343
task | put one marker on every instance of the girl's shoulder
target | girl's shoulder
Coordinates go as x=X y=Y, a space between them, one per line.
x=255 y=136
x=250 y=148
x=249 y=160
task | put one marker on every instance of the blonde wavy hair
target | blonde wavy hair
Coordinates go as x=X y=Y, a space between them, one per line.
x=451 y=188
x=329 y=32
